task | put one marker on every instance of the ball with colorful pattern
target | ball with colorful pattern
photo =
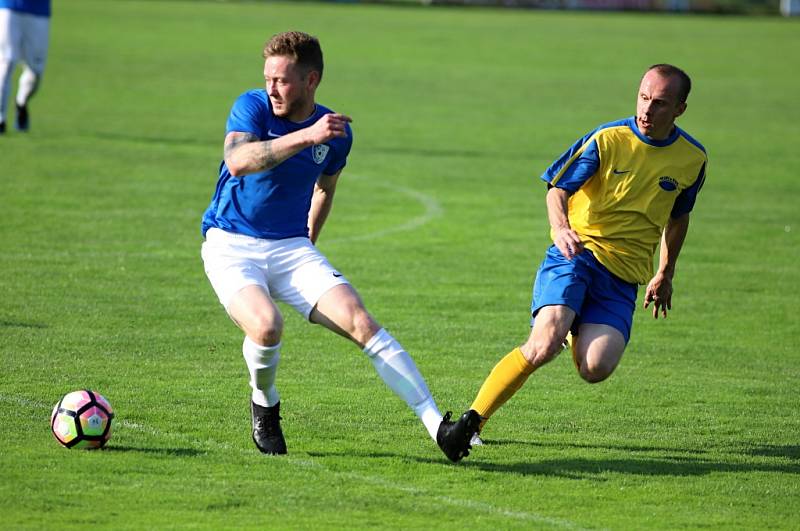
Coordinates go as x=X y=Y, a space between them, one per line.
x=82 y=419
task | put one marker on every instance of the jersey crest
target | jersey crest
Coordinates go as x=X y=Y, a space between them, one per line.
x=319 y=152
x=668 y=183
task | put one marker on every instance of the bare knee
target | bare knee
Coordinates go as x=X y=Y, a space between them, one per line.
x=266 y=329
x=254 y=312
x=595 y=373
x=597 y=370
x=362 y=326
x=599 y=350
x=538 y=351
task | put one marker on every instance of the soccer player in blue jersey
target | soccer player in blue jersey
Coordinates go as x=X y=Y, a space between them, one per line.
x=283 y=155
x=24 y=36
x=611 y=199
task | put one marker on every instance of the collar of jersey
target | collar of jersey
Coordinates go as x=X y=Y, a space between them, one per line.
x=314 y=115
x=303 y=122
x=673 y=136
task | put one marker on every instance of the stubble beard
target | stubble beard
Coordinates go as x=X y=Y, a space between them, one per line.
x=290 y=109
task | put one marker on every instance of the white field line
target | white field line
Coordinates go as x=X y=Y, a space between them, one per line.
x=433 y=209
x=310 y=463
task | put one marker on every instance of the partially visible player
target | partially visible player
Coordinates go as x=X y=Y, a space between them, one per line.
x=24 y=36
x=283 y=155
x=611 y=198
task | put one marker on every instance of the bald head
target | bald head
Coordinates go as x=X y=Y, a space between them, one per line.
x=661 y=99
x=684 y=83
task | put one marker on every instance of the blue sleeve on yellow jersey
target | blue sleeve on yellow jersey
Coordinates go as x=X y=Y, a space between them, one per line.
x=684 y=203
x=572 y=171
x=578 y=170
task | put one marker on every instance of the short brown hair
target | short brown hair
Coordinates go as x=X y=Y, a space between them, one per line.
x=683 y=78
x=302 y=47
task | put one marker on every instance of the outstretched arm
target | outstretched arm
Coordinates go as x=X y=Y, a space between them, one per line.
x=659 y=289
x=321 y=204
x=245 y=153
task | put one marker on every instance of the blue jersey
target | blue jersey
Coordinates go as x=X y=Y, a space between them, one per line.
x=624 y=188
x=272 y=204
x=31 y=7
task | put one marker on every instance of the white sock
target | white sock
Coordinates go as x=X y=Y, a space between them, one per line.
x=262 y=362
x=28 y=83
x=6 y=68
x=399 y=372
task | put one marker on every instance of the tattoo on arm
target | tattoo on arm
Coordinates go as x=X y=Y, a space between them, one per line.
x=267 y=158
x=238 y=139
x=261 y=156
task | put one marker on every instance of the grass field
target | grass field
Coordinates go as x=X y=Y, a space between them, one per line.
x=440 y=223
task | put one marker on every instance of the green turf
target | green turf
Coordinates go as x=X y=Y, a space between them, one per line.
x=439 y=222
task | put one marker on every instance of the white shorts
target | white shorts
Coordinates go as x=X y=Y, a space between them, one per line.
x=290 y=270
x=24 y=37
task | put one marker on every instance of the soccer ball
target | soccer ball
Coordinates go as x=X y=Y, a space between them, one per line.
x=82 y=419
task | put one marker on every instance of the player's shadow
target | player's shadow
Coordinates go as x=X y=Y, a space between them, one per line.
x=765 y=450
x=584 y=468
x=163 y=452
x=775 y=450
x=5 y=323
x=604 y=447
x=697 y=463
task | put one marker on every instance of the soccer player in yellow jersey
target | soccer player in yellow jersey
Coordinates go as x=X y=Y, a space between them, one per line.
x=611 y=199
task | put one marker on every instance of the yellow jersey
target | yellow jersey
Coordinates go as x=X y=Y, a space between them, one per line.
x=624 y=187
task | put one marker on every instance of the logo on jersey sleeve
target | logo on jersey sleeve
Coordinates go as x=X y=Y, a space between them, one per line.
x=668 y=183
x=320 y=151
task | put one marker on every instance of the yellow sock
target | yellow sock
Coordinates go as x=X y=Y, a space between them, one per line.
x=505 y=379
x=572 y=342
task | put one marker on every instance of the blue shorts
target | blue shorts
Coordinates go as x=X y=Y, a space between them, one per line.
x=587 y=287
